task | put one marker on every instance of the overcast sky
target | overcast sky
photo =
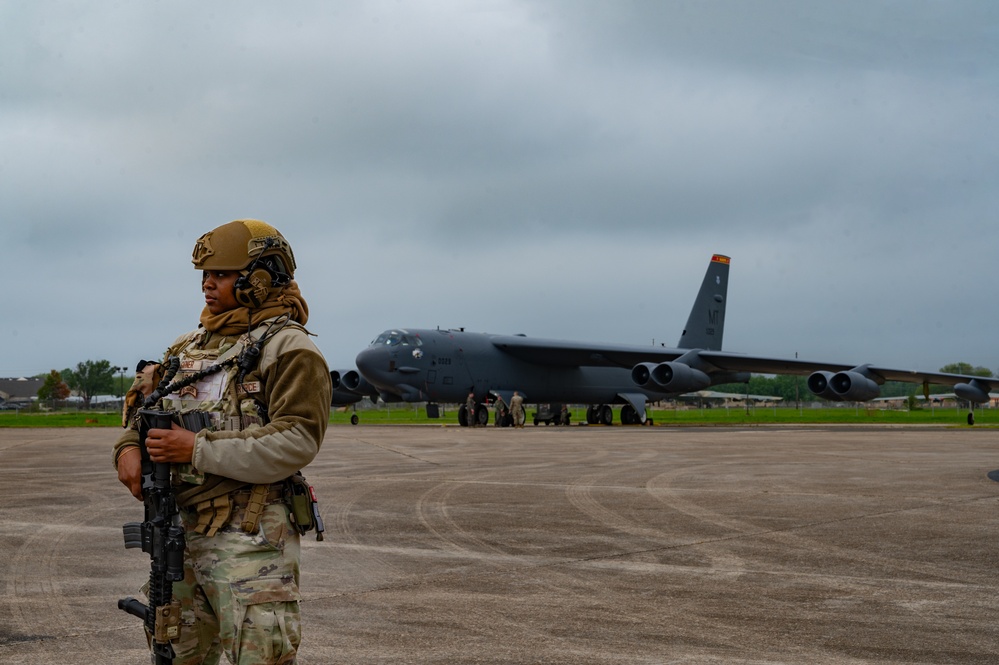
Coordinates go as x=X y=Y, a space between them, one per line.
x=561 y=169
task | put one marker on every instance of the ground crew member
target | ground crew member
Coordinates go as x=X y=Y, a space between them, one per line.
x=470 y=410
x=264 y=419
x=517 y=409
x=500 y=411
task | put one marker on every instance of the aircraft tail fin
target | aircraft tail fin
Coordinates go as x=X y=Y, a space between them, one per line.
x=707 y=318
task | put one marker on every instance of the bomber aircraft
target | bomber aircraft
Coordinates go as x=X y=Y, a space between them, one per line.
x=434 y=365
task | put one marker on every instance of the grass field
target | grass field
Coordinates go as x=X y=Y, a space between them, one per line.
x=416 y=415
x=409 y=414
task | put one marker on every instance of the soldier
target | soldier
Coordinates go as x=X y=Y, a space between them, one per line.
x=517 y=409
x=265 y=415
x=470 y=414
x=500 y=407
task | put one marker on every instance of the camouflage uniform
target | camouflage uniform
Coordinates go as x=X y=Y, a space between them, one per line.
x=500 y=408
x=517 y=409
x=240 y=592
x=470 y=415
x=228 y=606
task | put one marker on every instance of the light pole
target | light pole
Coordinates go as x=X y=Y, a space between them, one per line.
x=121 y=383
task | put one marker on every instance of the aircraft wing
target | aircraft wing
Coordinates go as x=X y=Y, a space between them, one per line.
x=561 y=353
x=736 y=362
x=727 y=367
x=713 y=394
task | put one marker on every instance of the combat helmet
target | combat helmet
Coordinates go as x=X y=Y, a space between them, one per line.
x=254 y=248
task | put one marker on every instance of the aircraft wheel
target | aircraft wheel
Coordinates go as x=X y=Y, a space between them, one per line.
x=481 y=415
x=463 y=416
x=971 y=417
x=354 y=419
x=628 y=415
x=591 y=416
x=606 y=415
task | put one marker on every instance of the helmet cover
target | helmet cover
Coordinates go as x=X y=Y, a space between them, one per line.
x=235 y=245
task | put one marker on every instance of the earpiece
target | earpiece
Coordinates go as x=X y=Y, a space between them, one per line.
x=250 y=290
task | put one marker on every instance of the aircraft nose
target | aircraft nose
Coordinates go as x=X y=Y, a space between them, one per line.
x=367 y=361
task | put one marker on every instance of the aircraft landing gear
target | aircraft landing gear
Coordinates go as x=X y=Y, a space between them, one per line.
x=480 y=416
x=629 y=415
x=599 y=414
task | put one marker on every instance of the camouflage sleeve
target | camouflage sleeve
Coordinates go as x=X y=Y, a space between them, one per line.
x=297 y=392
x=129 y=439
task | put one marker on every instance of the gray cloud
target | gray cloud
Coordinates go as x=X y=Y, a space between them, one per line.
x=557 y=168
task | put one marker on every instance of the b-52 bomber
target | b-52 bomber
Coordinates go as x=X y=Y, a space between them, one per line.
x=444 y=366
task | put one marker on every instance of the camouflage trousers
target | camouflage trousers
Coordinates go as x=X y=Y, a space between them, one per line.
x=240 y=592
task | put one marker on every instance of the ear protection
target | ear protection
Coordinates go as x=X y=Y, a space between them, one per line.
x=251 y=287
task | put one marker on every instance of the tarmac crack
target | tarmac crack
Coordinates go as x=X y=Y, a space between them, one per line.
x=394 y=451
x=509 y=571
x=789 y=529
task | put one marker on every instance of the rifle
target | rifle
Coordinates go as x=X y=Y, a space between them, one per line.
x=160 y=536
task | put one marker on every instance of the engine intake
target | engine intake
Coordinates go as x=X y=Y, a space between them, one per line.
x=641 y=374
x=818 y=383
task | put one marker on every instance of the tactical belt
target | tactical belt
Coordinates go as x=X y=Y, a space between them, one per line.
x=213 y=514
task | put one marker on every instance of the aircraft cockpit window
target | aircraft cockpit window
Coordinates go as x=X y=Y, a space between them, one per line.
x=397 y=338
x=387 y=338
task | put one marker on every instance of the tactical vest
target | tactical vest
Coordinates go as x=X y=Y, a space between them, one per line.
x=216 y=403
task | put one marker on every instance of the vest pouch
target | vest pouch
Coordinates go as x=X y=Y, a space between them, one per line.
x=304 y=508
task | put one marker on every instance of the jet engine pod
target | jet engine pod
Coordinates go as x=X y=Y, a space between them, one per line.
x=818 y=383
x=679 y=378
x=351 y=380
x=854 y=387
x=349 y=387
x=973 y=392
x=642 y=372
x=336 y=377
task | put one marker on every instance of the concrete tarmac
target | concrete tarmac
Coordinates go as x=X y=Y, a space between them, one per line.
x=616 y=544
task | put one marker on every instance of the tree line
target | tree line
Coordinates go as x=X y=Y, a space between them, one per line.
x=89 y=379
